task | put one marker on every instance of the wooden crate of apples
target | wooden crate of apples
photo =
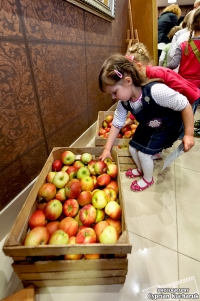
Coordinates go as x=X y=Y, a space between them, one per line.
x=104 y=124
x=74 y=213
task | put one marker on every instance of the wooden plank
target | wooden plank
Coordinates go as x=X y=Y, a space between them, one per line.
x=47 y=250
x=26 y=294
x=125 y=167
x=71 y=265
x=72 y=275
x=77 y=282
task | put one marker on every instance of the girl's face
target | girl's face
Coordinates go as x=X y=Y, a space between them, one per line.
x=122 y=91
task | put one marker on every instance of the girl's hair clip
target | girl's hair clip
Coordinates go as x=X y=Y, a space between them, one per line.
x=118 y=73
x=130 y=57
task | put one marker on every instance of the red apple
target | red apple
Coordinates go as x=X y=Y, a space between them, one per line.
x=109 y=118
x=84 y=198
x=99 y=199
x=69 y=225
x=68 y=157
x=52 y=226
x=100 y=167
x=57 y=165
x=124 y=129
x=109 y=124
x=117 y=224
x=112 y=170
x=37 y=236
x=78 y=164
x=92 y=256
x=36 y=219
x=71 y=171
x=47 y=191
x=86 y=236
x=86 y=158
x=103 y=180
x=119 y=135
x=109 y=235
x=82 y=172
x=73 y=189
x=60 y=179
x=60 y=195
x=70 y=207
x=113 y=210
x=50 y=176
x=107 y=130
x=111 y=194
x=72 y=241
x=59 y=237
x=53 y=209
x=127 y=134
x=100 y=215
x=98 y=228
x=87 y=215
x=91 y=167
x=106 y=135
x=113 y=184
x=101 y=131
x=87 y=183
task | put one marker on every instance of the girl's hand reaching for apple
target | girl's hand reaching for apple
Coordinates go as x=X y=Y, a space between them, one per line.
x=105 y=154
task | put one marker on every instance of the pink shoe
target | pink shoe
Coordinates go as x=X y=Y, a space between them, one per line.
x=130 y=175
x=135 y=187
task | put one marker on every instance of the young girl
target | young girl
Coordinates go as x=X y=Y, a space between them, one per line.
x=158 y=109
x=139 y=54
x=187 y=54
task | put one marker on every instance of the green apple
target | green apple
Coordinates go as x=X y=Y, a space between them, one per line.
x=109 y=235
x=86 y=158
x=82 y=172
x=59 y=237
x=61 y=179
x=99 y=199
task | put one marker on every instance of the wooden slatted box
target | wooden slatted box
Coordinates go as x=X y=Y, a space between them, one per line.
x=99 y=141
x=125 y=160
x=31 y=263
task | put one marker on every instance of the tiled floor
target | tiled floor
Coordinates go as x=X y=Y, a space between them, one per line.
x=164 y=229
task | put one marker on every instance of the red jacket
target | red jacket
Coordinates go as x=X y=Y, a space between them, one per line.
x=174 y=81
x=190 y=66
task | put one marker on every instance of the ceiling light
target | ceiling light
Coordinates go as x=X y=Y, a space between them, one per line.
x=172 y=1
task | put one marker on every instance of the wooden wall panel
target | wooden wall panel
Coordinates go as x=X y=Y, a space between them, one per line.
x=145 y=15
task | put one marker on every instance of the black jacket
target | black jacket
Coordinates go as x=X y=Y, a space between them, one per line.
x=166 y=21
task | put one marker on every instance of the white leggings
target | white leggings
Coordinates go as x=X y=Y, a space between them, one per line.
x=144 y=163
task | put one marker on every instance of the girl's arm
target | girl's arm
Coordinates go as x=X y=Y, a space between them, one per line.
x=109 y=144
x=175 y=62
x=188 y=121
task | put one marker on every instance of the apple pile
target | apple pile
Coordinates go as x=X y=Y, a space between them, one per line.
x=78 y=204
x=126 y=132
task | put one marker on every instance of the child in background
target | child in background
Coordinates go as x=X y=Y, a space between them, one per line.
x=139 y=54
x=187 y=55
x=163 y=59
x=158 y=109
